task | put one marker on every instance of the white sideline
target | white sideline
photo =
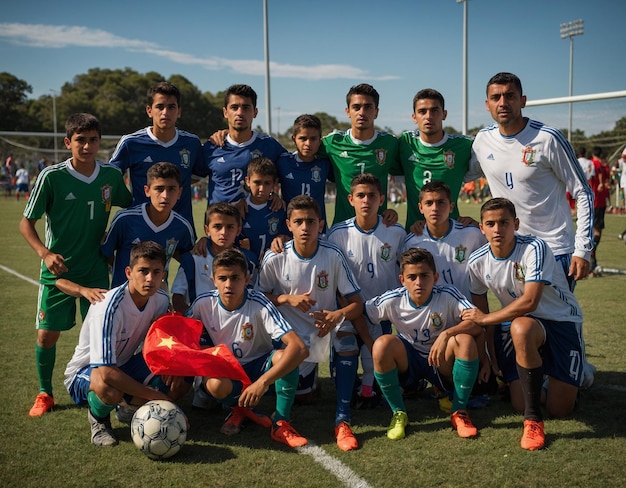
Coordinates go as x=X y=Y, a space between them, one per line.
x=334 y=466
x=21 y=276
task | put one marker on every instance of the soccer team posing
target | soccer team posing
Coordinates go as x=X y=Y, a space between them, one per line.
x=285 y=292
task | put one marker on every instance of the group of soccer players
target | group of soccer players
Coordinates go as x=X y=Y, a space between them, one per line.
x=319 y=292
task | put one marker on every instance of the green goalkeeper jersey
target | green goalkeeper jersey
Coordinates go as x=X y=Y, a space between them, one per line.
x=77 y=211
x=447 y=160
x=378 y=155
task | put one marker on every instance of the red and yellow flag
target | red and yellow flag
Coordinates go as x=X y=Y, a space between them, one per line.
x=172 y=347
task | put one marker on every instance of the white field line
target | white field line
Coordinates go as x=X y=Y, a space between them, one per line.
x=20 y=276
x=334 y=466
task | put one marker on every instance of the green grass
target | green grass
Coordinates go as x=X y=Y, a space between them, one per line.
x=54 y=450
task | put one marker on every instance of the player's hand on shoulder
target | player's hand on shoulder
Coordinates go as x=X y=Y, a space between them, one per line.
x=242 y=206
x=276 y=202
x=390 y=217
x=467 y=221
x=200 y=249
x=417 y=228
x=278 y=243
x=218 y=138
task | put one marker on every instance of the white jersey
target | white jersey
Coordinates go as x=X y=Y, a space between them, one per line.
x=322 y=275
x=114 y=330
x=420 y=326
x=247 y=331
x=203 y=271
x=534 y=168
x=588 y=167
x=531 y=260
x=372 y=255
x=451 y=252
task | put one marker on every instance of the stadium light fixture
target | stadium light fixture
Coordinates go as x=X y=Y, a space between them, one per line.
x=569 y=30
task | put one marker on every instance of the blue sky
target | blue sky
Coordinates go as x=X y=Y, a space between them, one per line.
x=320 y=48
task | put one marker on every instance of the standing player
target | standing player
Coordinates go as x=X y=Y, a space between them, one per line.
x=152 y=221
x=546 y=320
x=430 y=154
x=76 y=196
x=450 y=242
x=261 y=224
x=163 y=141
x=249 y=324
x=533 y=165
x=601 y=186
x=373 y=251
x=303 y=172
x=303 y=281
x=227 y=164
x=433 y=343
x=106 y=366
x=361 y=149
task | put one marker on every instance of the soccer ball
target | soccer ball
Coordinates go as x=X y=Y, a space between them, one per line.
x=159 y=429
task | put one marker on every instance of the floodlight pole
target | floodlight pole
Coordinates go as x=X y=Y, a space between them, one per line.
x=267 y=68
x=569 y=30
x=54 y=125
x=464 y=120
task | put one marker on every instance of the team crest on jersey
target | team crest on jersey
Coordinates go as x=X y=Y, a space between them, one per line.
x=41 y=316
x=272 y=226
x=106 y=197
x=316 y=174
x=255 y=154
x=528 y=156
x=436 y=320
x=170 y=247
x=185 y=158
x=381 y=156
x=385 y=252
x=448 y=158
x=519 y=272
x=460 y=253
x=322 y=280
x=247 y=331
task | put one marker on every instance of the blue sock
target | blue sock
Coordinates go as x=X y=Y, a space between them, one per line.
x=346 y=368
x=233 y=397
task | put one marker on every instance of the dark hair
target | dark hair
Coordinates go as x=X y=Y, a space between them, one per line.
x=429 y=94
x=244 y=91
x=597 y=152
x=163 y=170
x=307 y=121
x=582 y=151
x=222 y=208
x=303 y=202
x=366 y=179
x=417 y=255
x=263 y=167
x=504 y=79
x=163 y=88
x=230 y=258
x=436 y=186
x=149 y=250
x=82 y=122
x=498 y=204
x=363 y=89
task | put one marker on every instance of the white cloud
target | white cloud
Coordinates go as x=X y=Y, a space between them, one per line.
x=60 y=36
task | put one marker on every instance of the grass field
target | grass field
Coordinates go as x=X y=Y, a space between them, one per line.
x=54 y=450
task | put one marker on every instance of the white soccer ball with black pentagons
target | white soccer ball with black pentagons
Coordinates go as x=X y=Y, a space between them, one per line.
x=159 y=429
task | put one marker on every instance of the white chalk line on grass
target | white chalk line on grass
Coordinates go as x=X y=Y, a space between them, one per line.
x=334 y=466
x=20 y=276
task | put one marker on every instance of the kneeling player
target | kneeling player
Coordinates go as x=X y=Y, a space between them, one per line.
x=432 y=342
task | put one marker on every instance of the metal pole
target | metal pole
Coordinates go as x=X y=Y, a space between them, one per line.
x=267 y=68
x=54 y=125
x=464 y=128
x=571 y=84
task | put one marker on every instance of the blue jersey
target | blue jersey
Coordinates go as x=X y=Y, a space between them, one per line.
x=132 y=226
x=138 y=151
x=300 y=178
x=261 y=225
x=227 y=165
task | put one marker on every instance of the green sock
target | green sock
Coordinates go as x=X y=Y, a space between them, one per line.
x=464 y=374
x=98 y=408
x=285 y=393
x=389 y=384
x=45 y=357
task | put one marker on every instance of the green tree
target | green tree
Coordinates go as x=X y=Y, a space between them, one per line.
x=13 y=96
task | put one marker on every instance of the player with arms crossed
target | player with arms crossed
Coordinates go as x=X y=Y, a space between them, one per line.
x=546 y=320
x=76 y=196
